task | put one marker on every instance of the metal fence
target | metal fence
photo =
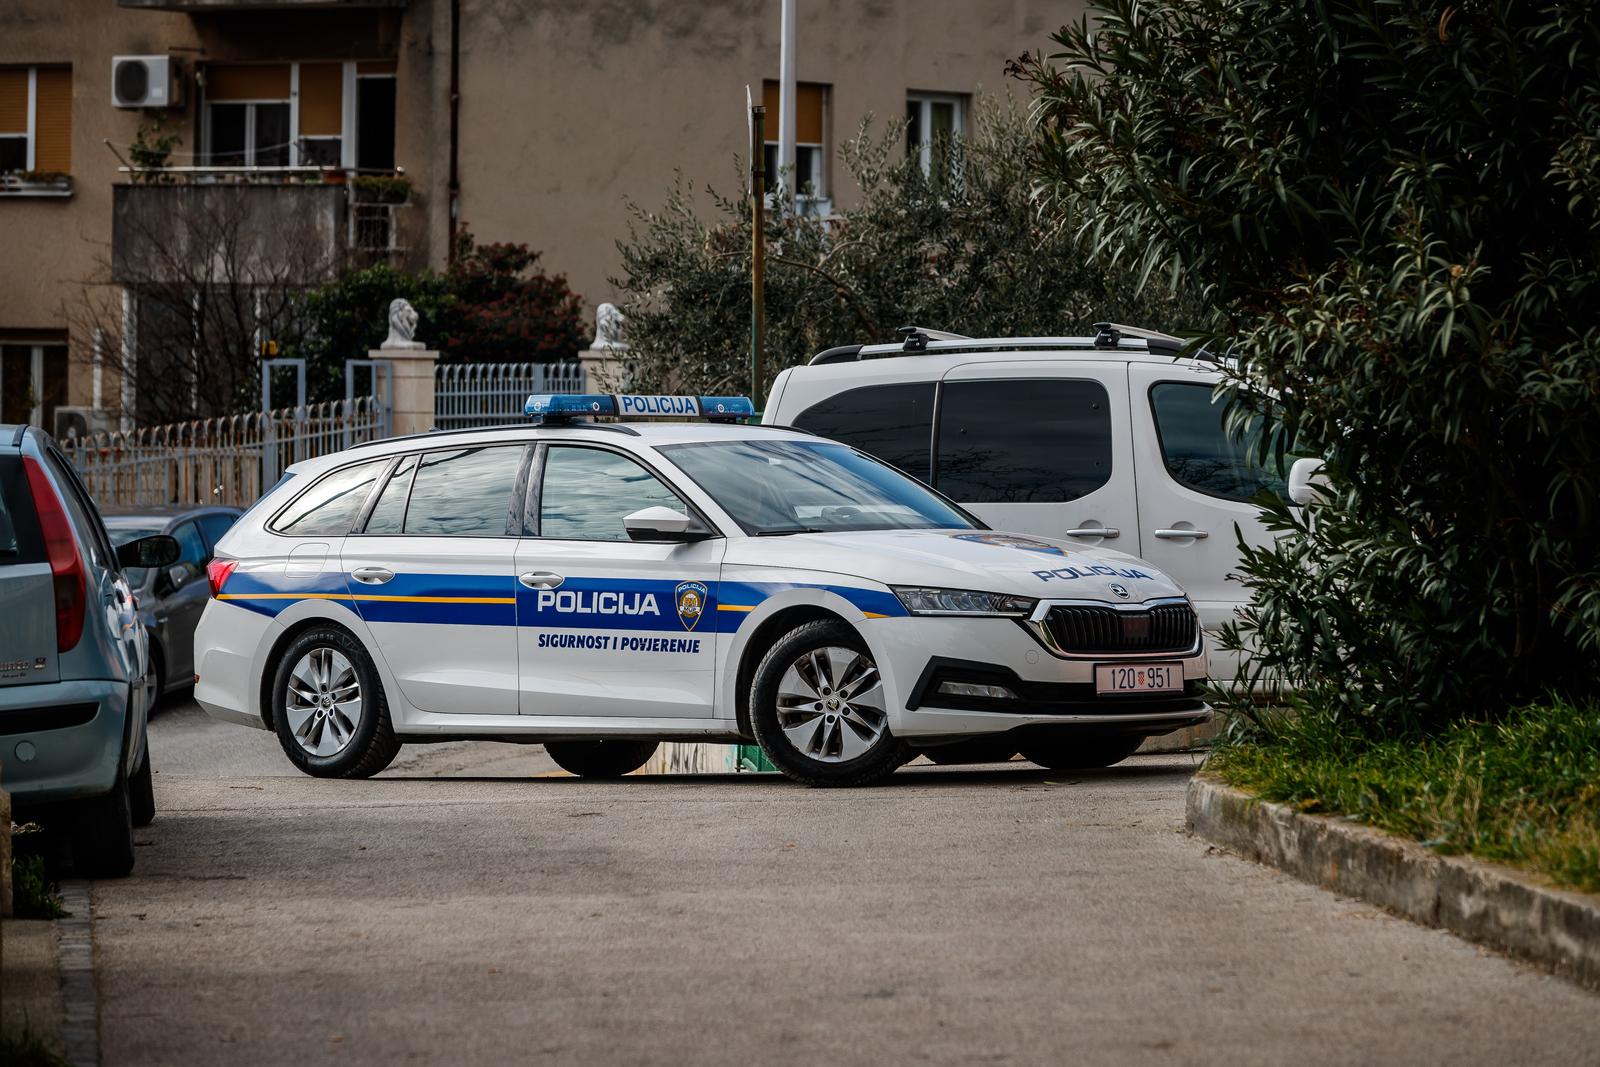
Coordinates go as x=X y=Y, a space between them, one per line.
x=227 y=460
x=490 y=394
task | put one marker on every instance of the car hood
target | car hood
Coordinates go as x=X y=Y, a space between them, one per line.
x=987 y=560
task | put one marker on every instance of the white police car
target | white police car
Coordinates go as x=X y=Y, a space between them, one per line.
x=601 y=587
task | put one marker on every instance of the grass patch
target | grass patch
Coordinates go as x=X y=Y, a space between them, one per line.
x=1523 y=789
x=33 y=895
x=25 y=1048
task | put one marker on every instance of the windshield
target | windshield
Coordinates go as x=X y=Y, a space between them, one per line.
x=121 y=534
x=780 y=487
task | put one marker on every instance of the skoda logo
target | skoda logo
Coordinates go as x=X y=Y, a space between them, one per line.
x=1120 y=590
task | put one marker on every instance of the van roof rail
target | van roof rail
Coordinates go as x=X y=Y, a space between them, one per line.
x=1109 y=336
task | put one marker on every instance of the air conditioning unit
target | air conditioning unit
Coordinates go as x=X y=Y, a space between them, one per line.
x=146 y=81
x=81 y=422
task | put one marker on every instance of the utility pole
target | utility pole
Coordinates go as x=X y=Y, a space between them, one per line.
x=788 y=179
x=758 y=246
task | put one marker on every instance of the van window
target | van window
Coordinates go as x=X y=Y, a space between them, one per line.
x=1023 y=440
x=465 y=493
x=329 y=508
x=892 y=422
x=1198 y=450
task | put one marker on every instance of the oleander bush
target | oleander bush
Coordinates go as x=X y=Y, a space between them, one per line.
x=1392 y=207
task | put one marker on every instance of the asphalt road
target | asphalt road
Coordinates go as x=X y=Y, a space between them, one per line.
x=997 y=915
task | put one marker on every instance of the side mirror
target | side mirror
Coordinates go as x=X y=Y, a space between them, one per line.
x=157 y=550
x=1306 y=482
x=661 y=524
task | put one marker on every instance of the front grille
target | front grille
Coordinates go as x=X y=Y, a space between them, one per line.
x=1092 y=630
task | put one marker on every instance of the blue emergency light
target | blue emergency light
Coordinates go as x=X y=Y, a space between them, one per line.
x=564 y=407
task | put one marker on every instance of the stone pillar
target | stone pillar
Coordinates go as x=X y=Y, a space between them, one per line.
x=413 y=387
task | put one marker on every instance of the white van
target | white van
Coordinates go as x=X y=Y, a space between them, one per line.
x=1111 y=441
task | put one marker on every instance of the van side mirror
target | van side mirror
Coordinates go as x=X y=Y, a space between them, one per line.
x=1307 y=485
x=662 y=524
x=157 y=550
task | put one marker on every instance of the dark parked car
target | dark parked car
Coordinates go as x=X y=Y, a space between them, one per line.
x=74 y=666
x=171 y=598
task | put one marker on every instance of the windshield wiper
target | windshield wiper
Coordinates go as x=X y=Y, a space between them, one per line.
x=782 y=531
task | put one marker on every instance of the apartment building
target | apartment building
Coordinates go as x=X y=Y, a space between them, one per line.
x=527 y=121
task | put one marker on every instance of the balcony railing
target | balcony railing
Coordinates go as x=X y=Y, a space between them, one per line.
x=173 y=220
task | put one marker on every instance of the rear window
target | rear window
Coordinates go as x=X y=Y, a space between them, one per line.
x=330 y=507
x=892 y=422
x=19 y=528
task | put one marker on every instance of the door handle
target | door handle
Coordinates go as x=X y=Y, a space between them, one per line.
x=372 y=575
x=1179 y=535
x=540 y=580
x=1108 y=532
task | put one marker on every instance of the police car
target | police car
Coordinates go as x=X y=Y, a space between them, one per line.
x=602 y=586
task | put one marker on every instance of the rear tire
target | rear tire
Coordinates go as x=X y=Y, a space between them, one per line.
x=102 y=834
x=329 y=708
x=601 y=759
x=1082 y=753
x=817 y=708
x=142 y=791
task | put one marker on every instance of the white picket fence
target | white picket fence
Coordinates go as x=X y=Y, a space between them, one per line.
x=493 y=394
x=228 y=460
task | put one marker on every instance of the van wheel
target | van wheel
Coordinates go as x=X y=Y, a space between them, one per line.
x=601 y=759
x=981 y=750
x=102 y=834
x=818 y=711
x=329 y=708
x=142 y=791
x=1090 y=750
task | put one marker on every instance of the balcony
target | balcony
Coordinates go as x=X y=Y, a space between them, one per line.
x=293 y=225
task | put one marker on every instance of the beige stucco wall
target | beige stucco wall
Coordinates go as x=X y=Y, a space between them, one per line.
x=568 y=109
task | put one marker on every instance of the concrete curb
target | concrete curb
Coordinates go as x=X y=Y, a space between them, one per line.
x=80 y=1030
x=1481 y=902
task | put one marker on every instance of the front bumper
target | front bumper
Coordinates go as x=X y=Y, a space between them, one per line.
x=61 y=741
x=916 y=654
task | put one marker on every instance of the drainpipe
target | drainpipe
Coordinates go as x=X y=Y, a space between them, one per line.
x=455 y=117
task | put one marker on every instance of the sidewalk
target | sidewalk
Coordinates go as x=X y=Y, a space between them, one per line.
x=30 y=982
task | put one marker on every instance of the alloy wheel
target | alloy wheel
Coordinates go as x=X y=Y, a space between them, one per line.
x=831 y=706
x=323 y=701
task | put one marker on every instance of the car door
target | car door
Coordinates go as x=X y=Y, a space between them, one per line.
x=1195 y=484
x=181 y=594
x=1039 y=447
x=608 y=626
x=430 y=571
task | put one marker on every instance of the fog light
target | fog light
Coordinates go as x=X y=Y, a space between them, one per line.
x=970 y=689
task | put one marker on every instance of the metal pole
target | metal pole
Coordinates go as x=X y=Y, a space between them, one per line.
x=758 y=248
x=786 y=178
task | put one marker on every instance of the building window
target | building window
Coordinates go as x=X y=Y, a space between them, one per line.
x=33 y=382
x=932 y=119
x=301 y=115
x=35 y=119
x=810 y=137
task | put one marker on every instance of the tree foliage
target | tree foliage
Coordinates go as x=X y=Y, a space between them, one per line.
x=1393 y=206
x=958 y=248
x=492 y=304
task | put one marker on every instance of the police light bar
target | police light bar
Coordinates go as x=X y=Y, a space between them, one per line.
x=563 y=407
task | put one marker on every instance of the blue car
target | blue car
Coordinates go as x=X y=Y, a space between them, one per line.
x=75 y=681
x=172 y=598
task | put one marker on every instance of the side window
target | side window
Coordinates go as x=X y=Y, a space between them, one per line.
x=214 y=526
x=587 y=492
x=389 y=513
x=191 y=551
x=464 y=493
x=1199 y=451
x=329 y=508
x=1018 y=440
x=891 y=422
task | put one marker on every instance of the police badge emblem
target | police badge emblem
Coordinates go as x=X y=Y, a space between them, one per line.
x=690 y=598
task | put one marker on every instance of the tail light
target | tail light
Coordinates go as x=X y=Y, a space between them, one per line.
x=217 y=573
x=66 y=562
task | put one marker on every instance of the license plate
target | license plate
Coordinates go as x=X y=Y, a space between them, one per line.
x=1142 y=678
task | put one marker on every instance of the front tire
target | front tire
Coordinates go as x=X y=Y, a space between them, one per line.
x=981 y=750
x=601 y=759
x=329 y=708
x=1082 y=753
x=818 y=711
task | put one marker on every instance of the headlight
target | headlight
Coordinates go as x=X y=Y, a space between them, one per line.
x=920 y=601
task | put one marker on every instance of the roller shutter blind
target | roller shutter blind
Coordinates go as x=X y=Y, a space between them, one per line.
x=13 y=100
x=321 y=99
x=52 y=146
x=811 y=101
x=247 y=81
